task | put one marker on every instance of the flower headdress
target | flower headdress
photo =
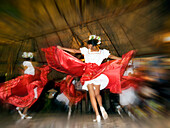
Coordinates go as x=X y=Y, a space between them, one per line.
x=27 y=55
x=95 y=37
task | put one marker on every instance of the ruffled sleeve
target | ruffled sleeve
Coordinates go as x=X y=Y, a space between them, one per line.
x=27 y=63
x=105 y=53
x=24 y=63
x=84 y=50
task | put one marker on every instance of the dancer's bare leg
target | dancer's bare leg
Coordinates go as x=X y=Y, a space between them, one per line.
x=99 y=100
x=69 y=111
x=19 y=110
x=92 y=98
x=25 y=116
x=97 y=94
x=25 y=110
x=93 y=101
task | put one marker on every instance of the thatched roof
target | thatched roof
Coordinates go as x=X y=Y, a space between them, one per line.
x=29 y=25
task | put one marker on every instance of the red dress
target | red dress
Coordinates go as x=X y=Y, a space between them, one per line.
x=20 y=91
x=66 y=63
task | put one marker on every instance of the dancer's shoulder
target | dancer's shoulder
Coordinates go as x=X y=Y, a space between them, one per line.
x=83 y=50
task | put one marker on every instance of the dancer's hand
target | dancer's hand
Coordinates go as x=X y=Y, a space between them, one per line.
x=114 y=57
x=69 y=49
x=118 y=58
x=59 y=47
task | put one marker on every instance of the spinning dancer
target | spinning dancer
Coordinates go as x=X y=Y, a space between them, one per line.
x=24 y=90
x=94 y=75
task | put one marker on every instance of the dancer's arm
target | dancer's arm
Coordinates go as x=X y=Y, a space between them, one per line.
x=69 y=49
x=114 y=57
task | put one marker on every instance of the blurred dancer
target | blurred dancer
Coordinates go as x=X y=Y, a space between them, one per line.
x=29 y=69
x=70 y=92
x=24 y=90
x=128 y=96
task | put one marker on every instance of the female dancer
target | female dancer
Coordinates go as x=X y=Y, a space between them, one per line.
x=94 y=75
x=24 y=90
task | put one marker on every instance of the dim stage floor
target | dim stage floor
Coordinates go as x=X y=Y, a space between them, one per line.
x=59 y=120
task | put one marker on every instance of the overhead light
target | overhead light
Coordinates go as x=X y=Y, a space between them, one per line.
x=166 y=39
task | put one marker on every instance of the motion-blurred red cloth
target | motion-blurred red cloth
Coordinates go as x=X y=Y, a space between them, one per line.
x=69 y=90
x=20 y=91
x=66 y=63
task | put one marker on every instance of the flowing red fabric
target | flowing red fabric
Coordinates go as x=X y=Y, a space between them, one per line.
x=130 y=81
x=66 y=63
x=63 y=61
x=20 y=91
x=69 y=91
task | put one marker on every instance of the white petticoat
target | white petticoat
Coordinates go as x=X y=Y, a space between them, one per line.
x=101 y=80
x=127 y=96
x=62 y=98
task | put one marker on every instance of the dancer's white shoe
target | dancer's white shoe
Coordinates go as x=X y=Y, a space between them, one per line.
x=28 y=117
x=25 y=117
x=104 y=113
x=19 y=111
x=98 y=119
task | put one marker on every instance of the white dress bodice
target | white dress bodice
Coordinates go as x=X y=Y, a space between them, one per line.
x=30 y=69
x=94 y=57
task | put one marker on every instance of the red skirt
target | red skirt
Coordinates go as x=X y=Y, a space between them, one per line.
x=20 y=91
x=66 y=63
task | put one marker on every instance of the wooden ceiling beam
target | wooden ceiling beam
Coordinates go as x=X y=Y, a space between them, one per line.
x=126 y=35
x=88 y=29
x=21 y=46
x=38 y=49
x=62 y=14
x=52 y=23
x=109 y=38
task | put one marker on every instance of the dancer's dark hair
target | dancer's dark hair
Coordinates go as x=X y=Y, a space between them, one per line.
x=93 y=42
